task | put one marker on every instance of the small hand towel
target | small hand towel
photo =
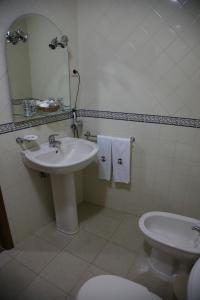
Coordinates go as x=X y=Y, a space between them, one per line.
x=104 y=156
x=121 y=155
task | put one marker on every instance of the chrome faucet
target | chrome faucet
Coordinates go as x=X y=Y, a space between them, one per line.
x=76 y=124
x=53 y=142
x=197 y=228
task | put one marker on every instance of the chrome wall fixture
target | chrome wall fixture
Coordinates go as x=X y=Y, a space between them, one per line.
x=90 y=136
x=55 y=43
x=13 y=37
x=16 y=36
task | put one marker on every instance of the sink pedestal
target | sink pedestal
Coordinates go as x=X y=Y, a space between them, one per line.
x=74 y=155
x=64 y=197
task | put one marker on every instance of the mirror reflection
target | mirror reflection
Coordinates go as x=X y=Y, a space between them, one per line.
x=38 y=68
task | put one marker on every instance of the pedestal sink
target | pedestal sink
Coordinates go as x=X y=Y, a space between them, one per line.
x=61 y=163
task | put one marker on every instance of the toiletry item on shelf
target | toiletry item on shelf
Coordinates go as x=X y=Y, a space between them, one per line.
x=49 y=105
x=104 y=156
x=28 y=141
x=60 y=102
x=30 y=137
x=27 y=108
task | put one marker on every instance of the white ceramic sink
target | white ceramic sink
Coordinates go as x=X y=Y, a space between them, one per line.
x=61 y=163
x=73 y=155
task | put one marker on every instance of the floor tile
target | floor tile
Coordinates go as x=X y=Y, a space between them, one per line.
x=54 y=237
x=115 y=259
x=86 y=211
x=40 y=289
x=102 y=226
x=12 y=252
x=64 y=271
x=139 y=266
x=14 y=277
x=70 y=297
x=155 y=284
x=142 y=273
x=4 y=259
x=128 y=234
x=111 y=213
x=92 y=271
x=86 y=245
x=36 y=253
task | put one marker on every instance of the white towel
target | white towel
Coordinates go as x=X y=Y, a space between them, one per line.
x=121 y=155
x=104 y=156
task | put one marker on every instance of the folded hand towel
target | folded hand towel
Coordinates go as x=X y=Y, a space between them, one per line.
x=121 y=155
x=104 y=156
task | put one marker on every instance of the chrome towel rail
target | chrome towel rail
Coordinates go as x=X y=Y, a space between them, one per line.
x=88 y=136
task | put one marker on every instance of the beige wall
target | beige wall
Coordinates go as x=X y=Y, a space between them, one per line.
x=166 y=159
x=165 y=169
x=140 y=56
x=26 y=195
x=143 y=56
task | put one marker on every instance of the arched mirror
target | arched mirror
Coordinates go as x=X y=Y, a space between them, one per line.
x=38 y=68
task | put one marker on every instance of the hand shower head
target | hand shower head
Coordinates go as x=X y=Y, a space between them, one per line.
x=54 y=44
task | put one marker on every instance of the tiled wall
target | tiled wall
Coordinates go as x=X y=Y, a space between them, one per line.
x=143 y=56
x=165 y=169
x=27 y=196
x=134 y=56
x=140 y=56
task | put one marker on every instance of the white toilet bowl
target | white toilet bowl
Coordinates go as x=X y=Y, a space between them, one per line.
x=108 y=287
x=175 y=246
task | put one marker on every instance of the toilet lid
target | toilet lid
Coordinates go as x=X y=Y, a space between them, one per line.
x=108 y=287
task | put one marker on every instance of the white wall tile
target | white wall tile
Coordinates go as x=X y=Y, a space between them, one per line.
x=142 y=55
x=165 y=36
x=178 y=49
x=154 y=70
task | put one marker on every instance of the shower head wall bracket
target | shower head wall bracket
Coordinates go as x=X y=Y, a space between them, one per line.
x=55 y=43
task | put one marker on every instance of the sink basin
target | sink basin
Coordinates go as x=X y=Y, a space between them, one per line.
x=73 y=155
x=61 y=163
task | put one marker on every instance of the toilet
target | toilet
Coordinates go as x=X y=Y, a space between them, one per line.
x=175 y=242
x=109 y=287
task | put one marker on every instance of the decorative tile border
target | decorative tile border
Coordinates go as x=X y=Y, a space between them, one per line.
x=10 y=127
x=144 y=118
x=132 y=117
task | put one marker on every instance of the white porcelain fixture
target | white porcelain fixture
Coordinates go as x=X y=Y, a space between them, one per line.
x=109 y=287
x=175 y=245
x=61 y=163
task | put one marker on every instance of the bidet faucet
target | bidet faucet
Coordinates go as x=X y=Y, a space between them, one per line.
x=53 y=142
x=197 y=228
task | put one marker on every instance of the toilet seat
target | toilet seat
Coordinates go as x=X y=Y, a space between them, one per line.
x=111 y=287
